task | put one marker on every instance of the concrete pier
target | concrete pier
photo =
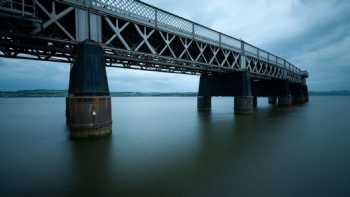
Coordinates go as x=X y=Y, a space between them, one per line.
x=272 y=100
x=299 y=97
x=285 y=101
x=204 y=103
x=89 y=102
x=244 y=104
x=255 y=102
x=285 y=94
x=299 y=93
x=244 y=101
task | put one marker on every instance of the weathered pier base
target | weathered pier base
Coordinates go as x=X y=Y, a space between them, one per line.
x=299 y=97
x=89 y=102
x=244 y=104
x=285 y=101
x=205 y=93
x=204 y=103
x=244 y=101
x=285 y=97
x=299 y=93
x=272 y=100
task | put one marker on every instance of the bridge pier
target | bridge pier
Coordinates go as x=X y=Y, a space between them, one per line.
x=299 y=93
x=272 y=100
x=285 y=101
x=255 y=102
x=285 y=97
x=204 y=93
x=88 y=102
x=306 y=93
x=236 y=84
x=204 y=103
x=244 y=104
x=299 y=98
x=244 y=101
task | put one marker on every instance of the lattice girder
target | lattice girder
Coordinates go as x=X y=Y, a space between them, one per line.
x=152 y=33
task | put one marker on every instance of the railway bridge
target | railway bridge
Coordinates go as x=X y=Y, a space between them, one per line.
x=130 y=34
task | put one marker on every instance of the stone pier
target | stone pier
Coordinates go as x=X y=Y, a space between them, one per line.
x=88 y=101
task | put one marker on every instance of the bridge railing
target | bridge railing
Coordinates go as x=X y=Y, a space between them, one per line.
x=18 y=7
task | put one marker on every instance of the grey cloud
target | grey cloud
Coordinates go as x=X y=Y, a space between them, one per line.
x=25 y=74
x=311 y=33
x=132 y=80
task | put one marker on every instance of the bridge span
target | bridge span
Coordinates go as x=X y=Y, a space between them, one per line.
x=92 y=34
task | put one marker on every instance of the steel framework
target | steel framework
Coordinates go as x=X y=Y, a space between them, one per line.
x=134 y=35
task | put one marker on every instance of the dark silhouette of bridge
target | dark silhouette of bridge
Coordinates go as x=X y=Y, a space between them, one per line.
x=92 y=34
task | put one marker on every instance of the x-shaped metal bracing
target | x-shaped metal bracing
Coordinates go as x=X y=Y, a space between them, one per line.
x=215 y=52
x=145 y=36
x=274 y=71
x=226 y=55
x=261 y=63
x=249 y=64
x=186 y=46
x=270 y=69
x=235 y=61
x=266 y=71
x=201 y=46
x=53 y=18
x=255 y=65
x=117 y=32
x=167 y=41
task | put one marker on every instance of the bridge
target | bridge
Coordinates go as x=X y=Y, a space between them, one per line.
x=130 y=34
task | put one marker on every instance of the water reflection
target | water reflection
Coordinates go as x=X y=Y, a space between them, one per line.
x=91 y=164
x=204 y=120
x=165 y=147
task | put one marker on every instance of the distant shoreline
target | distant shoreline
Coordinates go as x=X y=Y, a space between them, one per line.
x=63 y=93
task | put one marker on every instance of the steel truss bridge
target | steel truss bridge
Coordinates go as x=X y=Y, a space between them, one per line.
x=92 y=34
x=133 y=35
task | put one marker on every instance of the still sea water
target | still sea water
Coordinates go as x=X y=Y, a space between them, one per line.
x=164 y=147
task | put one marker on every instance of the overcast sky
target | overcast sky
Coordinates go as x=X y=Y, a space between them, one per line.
x=313 y=34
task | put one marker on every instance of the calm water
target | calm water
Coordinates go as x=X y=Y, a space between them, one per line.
x=164 y=147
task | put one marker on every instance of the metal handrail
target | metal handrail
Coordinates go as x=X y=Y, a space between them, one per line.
x=21 y=7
